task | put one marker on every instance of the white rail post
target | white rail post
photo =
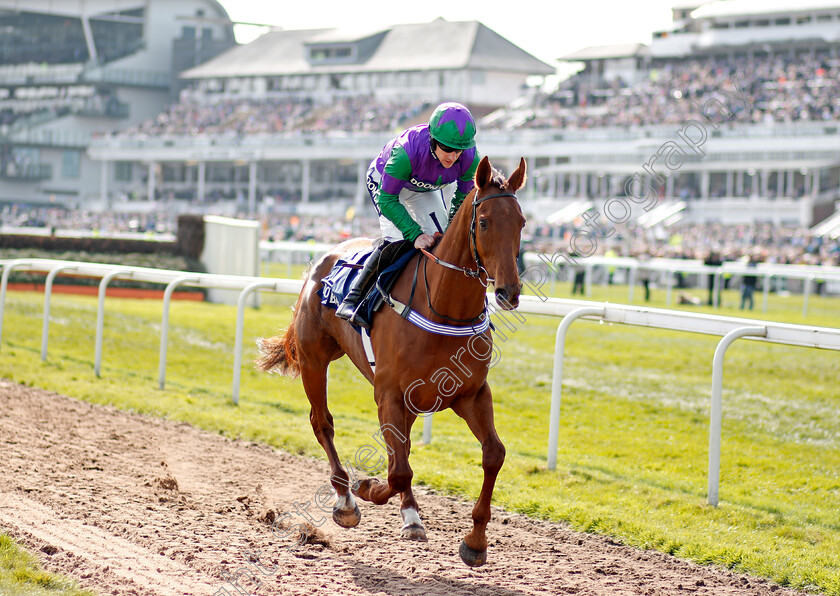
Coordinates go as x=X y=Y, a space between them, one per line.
x=806 y=283
x=48 y=284
x=766 y=290
x=717 y=406
x=100 y=315
x=164 y=323
x=240 y=324
x=427 y=429
x=556 y=383
x=4 y=283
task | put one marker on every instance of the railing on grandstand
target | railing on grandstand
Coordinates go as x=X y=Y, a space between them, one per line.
x=51 y=138
x=489 y=137
x=131 y=78
x=114 y=109
x=14 y=172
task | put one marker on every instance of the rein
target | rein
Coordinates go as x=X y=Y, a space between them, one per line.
x=471 y=328
x=479 y=268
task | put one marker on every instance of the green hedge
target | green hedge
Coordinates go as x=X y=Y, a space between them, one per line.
x=180 y=255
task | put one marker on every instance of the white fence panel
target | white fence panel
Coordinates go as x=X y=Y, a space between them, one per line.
x=729 y=328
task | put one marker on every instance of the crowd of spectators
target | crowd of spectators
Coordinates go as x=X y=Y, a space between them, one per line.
x=767 y=90
x=242 y=117
x=778 y=90
x=104 y=223
x=730 y=242
x=767 y=242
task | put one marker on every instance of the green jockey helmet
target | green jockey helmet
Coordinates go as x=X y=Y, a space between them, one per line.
x=452 y=125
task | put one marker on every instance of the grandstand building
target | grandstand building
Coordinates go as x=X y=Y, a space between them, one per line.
x=293 y=119
x=72 y=69
x=730 y=115
x=755 y=83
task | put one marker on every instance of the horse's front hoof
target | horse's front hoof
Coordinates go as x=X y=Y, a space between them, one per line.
x=347 y=518
x=471 y=557
x=413 y=532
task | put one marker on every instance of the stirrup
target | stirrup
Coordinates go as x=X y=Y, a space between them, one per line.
x=355 y=317
x=346 y=310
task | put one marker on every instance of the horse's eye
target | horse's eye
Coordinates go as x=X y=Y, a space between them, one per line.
x=482 y=223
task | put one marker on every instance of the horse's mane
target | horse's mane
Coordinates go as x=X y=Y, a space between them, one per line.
x=497 y=178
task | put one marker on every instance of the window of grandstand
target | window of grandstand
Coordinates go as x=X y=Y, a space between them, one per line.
x=31 y=37
x=123 y=171
x=322 y=54
x=55 y=39
x=117 y=35
x=70 y=161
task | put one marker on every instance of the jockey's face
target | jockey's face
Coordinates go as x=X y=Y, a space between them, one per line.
x=447 y=156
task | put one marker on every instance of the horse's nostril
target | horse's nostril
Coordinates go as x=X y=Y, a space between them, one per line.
x=502 y=293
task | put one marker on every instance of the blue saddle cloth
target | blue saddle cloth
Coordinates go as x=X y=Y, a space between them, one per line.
x=336 y=285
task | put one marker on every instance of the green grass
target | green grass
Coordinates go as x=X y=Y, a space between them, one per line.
x=20 y=575
x=633 y=453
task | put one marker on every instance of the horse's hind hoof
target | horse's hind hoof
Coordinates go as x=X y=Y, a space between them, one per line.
x=473 y=558
x=346 y=518
x=413 y=532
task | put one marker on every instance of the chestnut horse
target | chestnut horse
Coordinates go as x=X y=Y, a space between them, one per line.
x=417 y=371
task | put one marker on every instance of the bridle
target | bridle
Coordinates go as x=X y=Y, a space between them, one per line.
x=479 y=268
x=404 y=309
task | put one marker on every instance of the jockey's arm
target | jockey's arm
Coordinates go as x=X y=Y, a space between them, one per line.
x=390 y=206
x=396 y=174
x=465 y=185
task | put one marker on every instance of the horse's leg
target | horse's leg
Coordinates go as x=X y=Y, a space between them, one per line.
x=413 y=528
x=394 y=428
x=314 y=376
x=477 y=411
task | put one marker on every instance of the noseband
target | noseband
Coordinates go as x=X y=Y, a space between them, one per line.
x=479 y=268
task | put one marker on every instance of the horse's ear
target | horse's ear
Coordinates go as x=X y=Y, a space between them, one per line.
x=518 y=178
x=484 y=173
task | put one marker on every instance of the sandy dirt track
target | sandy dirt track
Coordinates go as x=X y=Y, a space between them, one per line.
x=134 y=505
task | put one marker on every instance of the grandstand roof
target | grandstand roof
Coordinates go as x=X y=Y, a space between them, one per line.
x=439 y=44
x=72 y=7
x=624 y=50
x=89 y=8
x=736 y=8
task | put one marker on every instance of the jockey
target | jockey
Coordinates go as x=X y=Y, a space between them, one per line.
x=406 y=182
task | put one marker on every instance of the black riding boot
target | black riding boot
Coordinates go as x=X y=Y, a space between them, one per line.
x=349 y=307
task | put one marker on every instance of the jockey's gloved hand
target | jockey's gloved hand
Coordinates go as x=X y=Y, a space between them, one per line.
x=424 y=241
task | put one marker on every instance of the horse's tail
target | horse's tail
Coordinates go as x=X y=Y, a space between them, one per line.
x=279 y=353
